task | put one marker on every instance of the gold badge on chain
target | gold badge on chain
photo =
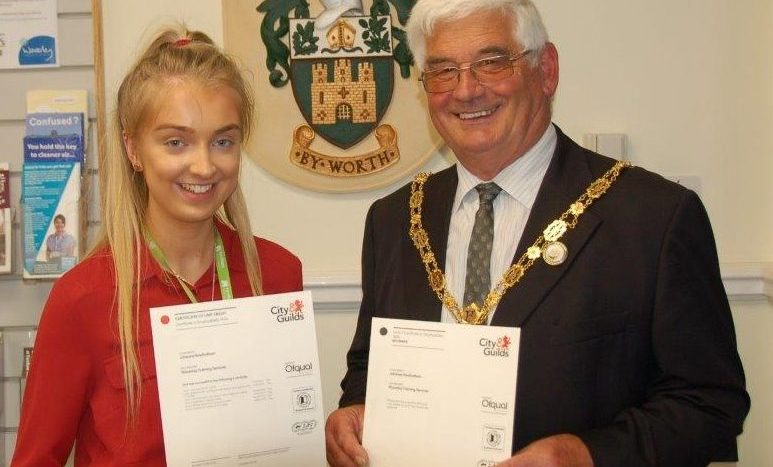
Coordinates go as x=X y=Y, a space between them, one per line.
x=555 y=253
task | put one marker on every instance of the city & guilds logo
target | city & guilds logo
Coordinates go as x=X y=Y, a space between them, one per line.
x=496 y=348
x=289 y=313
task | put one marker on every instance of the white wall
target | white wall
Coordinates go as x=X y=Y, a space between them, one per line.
x=692 y=89
x=691 y=83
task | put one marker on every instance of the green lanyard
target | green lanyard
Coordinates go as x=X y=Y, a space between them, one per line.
x=221 y=265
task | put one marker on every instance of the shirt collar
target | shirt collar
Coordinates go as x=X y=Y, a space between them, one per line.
x=521 y=179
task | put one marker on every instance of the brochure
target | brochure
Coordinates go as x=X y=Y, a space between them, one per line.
x=54 y=154
x=50 y=204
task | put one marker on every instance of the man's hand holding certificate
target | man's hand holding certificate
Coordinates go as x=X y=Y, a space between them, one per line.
x=239 y=382
x=439 y=394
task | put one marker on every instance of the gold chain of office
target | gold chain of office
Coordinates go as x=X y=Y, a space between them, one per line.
x=472 y=313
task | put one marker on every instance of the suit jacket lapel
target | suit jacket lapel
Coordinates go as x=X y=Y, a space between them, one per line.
x=566 y=178
x=439 y=192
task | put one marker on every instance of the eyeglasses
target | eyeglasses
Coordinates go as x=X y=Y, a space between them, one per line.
x=486 y=71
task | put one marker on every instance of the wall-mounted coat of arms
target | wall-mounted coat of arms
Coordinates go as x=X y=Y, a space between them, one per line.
x=338 y=103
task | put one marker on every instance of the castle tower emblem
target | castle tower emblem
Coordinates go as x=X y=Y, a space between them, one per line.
x=346 y=96
x=342 y=78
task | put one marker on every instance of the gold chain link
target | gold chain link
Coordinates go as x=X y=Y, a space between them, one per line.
x=472 y=313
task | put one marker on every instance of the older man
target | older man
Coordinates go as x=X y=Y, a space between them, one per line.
x=627 y=353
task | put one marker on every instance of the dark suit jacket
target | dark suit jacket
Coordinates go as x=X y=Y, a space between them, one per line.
x=628 y=344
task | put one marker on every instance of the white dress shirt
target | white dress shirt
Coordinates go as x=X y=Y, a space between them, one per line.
x=520 y=182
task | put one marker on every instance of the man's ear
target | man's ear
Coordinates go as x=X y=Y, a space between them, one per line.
x=131 y=151
x=548 y=63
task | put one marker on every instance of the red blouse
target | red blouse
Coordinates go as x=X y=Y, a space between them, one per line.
x=75 y=391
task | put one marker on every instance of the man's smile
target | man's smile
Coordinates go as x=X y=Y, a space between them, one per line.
x=476 y=114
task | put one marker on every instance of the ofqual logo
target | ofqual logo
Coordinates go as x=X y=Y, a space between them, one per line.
x=300 y=368
x=491 y=404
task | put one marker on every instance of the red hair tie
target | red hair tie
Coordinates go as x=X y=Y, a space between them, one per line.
x=181 y=42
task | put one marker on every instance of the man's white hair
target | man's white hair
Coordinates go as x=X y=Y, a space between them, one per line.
x=528 y=29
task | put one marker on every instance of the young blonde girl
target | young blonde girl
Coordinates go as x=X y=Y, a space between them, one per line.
x=170 y=193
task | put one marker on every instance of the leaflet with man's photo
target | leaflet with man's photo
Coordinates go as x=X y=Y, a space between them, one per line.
x=239 y=382
x=50 y=201
x=440 y=394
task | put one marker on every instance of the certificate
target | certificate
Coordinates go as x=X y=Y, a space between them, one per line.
x=239 y=383
x=440 y=394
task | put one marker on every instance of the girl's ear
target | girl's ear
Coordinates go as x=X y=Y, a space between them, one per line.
x=131 y=151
